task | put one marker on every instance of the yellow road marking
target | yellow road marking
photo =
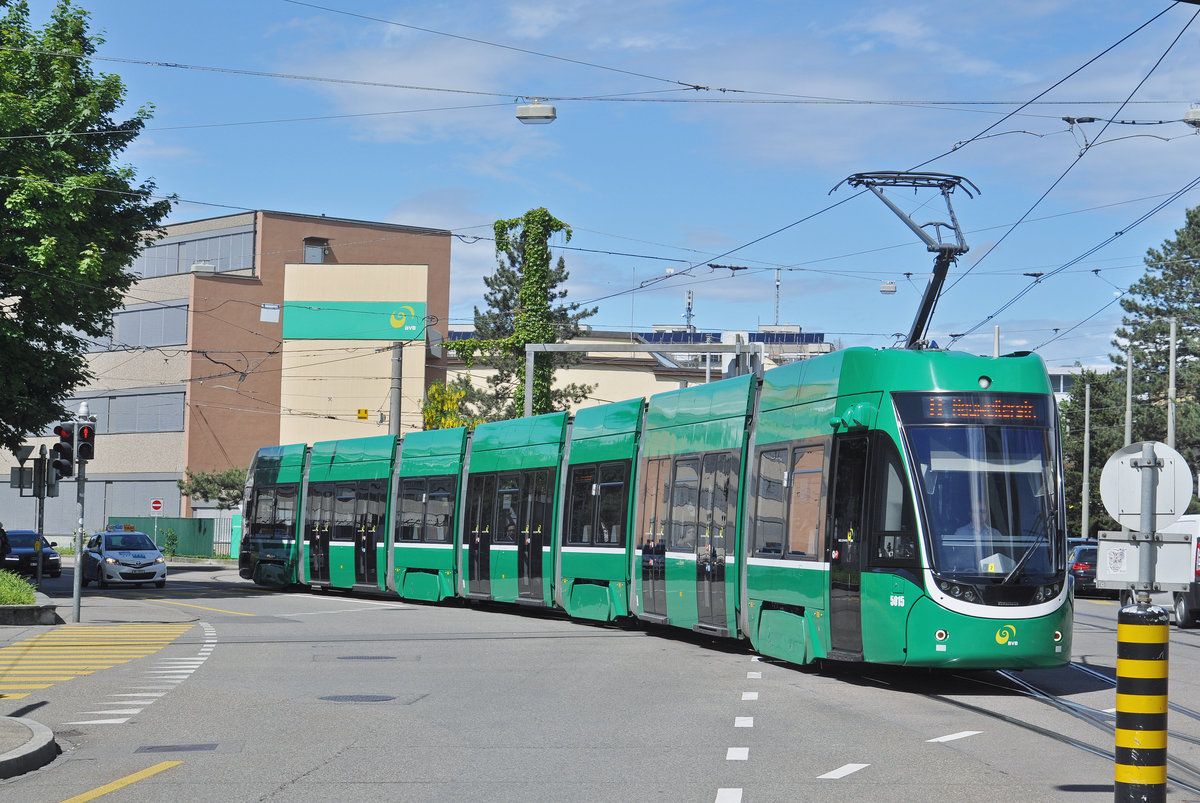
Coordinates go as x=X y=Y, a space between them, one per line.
x=121 y=783
x=9 y=695
x=201 y=607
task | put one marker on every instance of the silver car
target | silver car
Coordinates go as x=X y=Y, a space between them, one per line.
x=123 y=556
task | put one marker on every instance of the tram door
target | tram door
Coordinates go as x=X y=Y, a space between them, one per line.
x=368 y=521
x=652 y=518
x=317 y=530
x=846 y=547
x=481 y=493
x=718 y=512
x=533 y=533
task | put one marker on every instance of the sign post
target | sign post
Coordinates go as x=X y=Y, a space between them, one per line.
x=1146 y=486
x=156 y=507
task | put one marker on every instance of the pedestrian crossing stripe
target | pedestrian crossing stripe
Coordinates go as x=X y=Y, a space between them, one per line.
x=72 y=651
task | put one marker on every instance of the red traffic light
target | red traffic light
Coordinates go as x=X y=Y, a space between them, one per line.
x=87 y=441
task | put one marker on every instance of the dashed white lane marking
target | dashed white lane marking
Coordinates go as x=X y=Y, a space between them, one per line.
x=749 y=695
x=951 y=737
x=743 y=722
x=753 y=675
x=737 y=754
x=99 y=721
x=843 y=771
x=729 y=796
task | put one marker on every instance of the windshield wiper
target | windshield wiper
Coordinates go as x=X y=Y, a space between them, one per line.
x=1041 y=517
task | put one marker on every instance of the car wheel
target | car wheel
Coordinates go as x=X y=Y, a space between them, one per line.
x=1184 y=617
x=100 y=581
x=160 y=583
x=56 y=575
x=85 y=581
x=1127 y=598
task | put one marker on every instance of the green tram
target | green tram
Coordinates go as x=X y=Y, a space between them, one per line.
x=890 y=506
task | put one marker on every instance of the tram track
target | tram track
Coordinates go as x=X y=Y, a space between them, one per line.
x=1183 y=774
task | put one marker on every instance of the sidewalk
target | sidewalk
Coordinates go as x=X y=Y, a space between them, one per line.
x=26 y=745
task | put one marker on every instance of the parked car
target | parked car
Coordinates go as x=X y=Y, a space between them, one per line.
x=1082 y=562
x=22 y=556
x=123 y=556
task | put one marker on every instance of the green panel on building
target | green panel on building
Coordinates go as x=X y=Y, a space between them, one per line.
x=354 y=320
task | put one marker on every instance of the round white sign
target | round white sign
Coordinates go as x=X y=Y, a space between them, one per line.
x=1121 y=485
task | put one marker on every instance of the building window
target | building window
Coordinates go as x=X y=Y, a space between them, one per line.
x=315 y=249
x=233 y=251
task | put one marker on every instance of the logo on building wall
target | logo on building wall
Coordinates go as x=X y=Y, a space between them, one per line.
x=353 y=320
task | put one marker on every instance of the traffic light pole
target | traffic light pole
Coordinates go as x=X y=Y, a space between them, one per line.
x=78 y=590
x=40 y=491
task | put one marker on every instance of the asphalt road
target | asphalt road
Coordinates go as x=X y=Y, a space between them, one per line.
x=214 y=690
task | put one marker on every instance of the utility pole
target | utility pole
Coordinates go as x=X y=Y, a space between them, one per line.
x=1171 y=391
x=1129 y=395
x=397 y=368
x=1087 y=457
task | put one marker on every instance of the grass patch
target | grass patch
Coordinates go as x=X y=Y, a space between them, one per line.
x=15 y=589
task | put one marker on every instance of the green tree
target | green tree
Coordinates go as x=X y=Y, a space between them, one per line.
x=526 y=304
x=72 y=219
x=1107 y=435
x=1169 y=288
x=225 y=487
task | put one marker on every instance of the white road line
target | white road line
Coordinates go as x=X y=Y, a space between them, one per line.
x=737 y=754
x=749 y=695
x=140 y=694
x=843 y=771
x=729 y=796
x=99 y=721
x=115 y=711
x=753 y=675
x=951 y=737
x=743 y=722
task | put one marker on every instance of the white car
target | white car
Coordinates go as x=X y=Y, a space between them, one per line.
x=123 y=556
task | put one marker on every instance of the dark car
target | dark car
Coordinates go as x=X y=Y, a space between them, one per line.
x=1082 y=562
x=22 y=556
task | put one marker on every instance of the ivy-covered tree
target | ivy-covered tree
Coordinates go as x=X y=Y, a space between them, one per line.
x=225 y=487
x=1170 y=288
x=72 y=220
x=526 y=304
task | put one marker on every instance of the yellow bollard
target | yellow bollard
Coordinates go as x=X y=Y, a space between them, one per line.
x=1141 y=738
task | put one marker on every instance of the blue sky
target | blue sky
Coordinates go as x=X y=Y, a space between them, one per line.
x=414 y=123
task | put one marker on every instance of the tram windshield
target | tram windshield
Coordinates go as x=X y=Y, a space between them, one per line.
x=989 y=493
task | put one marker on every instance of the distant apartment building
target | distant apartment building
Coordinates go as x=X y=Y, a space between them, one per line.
x=249 y=330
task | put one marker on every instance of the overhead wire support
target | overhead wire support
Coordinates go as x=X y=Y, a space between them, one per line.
x=947 y=252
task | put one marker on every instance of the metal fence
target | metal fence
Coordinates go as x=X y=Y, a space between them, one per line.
x=193 y=537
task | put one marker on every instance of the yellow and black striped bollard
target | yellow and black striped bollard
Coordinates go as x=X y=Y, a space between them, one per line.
x=1141 y=739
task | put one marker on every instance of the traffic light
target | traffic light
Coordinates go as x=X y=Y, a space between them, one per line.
x=87 y=441
x=64 y=450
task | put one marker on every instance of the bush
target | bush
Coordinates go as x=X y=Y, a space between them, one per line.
x=14 y=589
x=170 y=542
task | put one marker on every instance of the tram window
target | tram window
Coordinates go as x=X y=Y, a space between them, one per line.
x=804 y=510
x=285 y=508
x=320 y=505
x=651 y=522
x=264 y=509
x=610 y=529
x=769 y=503
x=439 y=509
x=580 y=509
x=685 y=491
x=343 y=512
x=893 y=522
x=408 y=518
x=508 y=503
x=537 y=517
x=372 y=512
x=480 y=491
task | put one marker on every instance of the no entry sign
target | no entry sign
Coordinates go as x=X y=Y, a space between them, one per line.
x=156 y=505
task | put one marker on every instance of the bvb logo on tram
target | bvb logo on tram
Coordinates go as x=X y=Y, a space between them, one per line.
x=1005 y=635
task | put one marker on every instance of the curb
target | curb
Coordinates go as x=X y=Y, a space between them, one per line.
x=38 y=749
x=42 y=612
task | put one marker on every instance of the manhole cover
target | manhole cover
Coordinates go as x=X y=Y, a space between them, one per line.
x=174 y=748
x=359 y=698
x=366 y=657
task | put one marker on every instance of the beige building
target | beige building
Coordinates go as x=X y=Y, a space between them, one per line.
x=218 y=350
